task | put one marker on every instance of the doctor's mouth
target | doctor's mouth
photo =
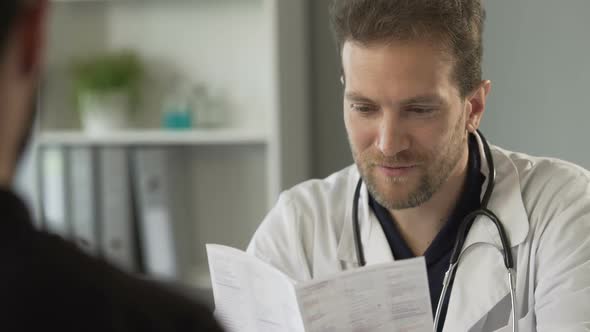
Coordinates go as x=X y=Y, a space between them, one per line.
x=397 y=171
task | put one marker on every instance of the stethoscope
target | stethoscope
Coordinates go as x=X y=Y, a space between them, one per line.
x=461 y=236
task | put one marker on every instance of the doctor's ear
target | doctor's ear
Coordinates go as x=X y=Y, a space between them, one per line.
x=476 y=104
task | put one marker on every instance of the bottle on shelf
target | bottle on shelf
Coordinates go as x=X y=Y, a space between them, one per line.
x=207 y=108
x=177 y=108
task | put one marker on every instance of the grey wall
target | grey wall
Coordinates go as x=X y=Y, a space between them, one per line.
x=537 y=54
x=329 y=150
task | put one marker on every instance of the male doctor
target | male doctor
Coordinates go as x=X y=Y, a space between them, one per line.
x=413 y=101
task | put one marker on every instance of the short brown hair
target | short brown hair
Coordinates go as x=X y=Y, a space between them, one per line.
x=457 y=24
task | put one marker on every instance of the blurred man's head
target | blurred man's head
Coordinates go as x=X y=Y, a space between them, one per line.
x=21 y=36
x=413 y=92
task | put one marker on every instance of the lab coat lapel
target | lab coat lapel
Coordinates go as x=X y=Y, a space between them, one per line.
x=481 y=278
x=375 y=245
x=506 y=200
x=480 y=283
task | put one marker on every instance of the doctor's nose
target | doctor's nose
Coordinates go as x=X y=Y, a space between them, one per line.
x=392 y=137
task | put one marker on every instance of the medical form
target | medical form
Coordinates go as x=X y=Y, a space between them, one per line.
x=251 y=295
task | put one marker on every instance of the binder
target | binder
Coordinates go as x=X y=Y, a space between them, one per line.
x=118 y=238
x=54 y=196
x=83 y=209
x=154 y=215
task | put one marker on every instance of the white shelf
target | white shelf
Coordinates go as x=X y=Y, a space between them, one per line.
x=66 y=1
x=155 y=137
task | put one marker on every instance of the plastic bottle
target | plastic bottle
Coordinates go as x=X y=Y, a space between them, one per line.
x=206 y=109
x=177 y=109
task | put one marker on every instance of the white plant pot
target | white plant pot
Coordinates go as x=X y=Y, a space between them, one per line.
x=102 y=113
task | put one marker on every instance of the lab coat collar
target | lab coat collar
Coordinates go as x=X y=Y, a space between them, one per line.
x=481 y=279
x=480 y=282
x=506 y=202
x=375 y=245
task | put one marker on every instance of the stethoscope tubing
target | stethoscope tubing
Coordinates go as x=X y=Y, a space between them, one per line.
x=461 y=237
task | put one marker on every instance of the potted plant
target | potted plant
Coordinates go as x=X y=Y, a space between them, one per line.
x=106 y=88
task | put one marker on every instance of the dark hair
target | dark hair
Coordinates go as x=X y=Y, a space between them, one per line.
x=456 y=25
x=9 y=10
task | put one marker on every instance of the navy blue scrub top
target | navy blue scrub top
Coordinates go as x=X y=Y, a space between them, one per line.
x=438 y=254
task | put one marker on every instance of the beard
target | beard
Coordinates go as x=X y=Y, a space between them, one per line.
x=433 y=170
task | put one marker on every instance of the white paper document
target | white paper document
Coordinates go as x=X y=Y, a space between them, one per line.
x=252 y=296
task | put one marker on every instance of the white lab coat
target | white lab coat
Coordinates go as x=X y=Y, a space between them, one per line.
x=544 y=205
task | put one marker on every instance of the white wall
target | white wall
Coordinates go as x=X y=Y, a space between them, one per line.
x=224 y=45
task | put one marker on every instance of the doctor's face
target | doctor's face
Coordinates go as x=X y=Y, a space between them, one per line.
x=405 y=118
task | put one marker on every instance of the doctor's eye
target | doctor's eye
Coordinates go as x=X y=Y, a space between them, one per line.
x=363 y=108
x=421 y=111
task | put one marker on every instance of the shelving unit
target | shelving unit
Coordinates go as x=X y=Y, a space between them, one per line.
x=155 y=137
x=253 y=53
